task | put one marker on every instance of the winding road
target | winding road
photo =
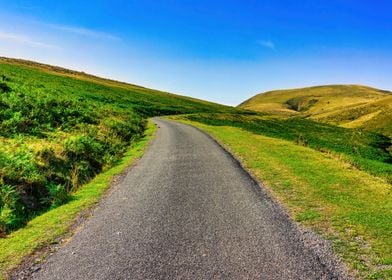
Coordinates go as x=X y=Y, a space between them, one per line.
x=187 y=210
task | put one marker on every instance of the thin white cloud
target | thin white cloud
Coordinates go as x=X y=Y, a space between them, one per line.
x=84 y=32
x=267 y=44
x=25 y=7
x=25 y=40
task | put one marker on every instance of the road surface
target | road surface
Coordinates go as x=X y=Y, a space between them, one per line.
x=187 y=211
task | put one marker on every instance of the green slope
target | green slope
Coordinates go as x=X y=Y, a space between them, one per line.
x=56 y=80
x=60 y=128
x=368 y=151
x=350 y=106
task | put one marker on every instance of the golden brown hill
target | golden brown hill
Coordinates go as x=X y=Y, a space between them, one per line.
x=352 y=106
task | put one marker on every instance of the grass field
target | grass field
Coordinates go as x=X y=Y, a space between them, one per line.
x=351 y=106
x=59 y=129
x=321 y=190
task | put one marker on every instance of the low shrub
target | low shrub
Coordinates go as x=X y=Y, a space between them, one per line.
x=12 y=212
x=57 y=195
x=27 y=114
x=4 y=87
x=84 y=158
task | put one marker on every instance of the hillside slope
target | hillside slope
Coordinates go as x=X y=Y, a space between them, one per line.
x=350 y=106
x=147 y=101
x=60 y=128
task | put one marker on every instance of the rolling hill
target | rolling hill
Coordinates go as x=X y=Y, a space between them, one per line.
x=147 y=101
x=350 y=106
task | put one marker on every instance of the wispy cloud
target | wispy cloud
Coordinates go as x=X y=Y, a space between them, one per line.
x=84 y=32
x=267 y=44
x=22 y=39
x=26 y=7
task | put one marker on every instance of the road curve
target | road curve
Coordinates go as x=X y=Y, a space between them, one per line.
x=187 y=211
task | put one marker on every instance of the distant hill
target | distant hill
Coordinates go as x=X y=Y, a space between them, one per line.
x=351 y=106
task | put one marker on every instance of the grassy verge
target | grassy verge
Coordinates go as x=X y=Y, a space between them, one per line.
x=351 y=207
x=47 y=227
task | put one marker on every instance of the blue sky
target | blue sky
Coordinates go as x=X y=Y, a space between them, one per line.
x=223 y=51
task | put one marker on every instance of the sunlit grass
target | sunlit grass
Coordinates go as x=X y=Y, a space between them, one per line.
x=363 y=150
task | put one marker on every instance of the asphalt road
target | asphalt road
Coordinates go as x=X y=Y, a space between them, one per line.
x=188 y=211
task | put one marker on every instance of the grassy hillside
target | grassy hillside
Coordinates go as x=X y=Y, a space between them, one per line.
x=143 y=100
x=367 y=151
x=59 y=128
x=350 y=106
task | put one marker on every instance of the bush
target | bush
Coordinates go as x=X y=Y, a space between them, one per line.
x=27 y=114
x=12 y=212
x=4 y=87
x=19 y=168
x=84 y=157
x=57 y=195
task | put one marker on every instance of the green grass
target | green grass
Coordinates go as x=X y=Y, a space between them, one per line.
x=30 y=77
x=46 y=228
x=363 y=150
x=60 y=128
x=344 y=204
